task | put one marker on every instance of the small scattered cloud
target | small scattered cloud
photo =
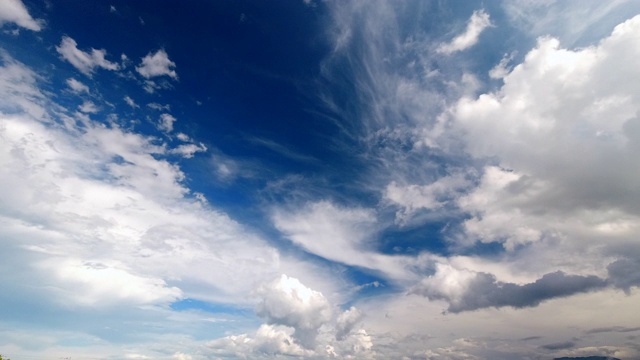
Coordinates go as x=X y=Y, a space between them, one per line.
x=159 y=107
x=85 y=62
x=77 y=86
x=157 y=64
x=478 y=22
x=188 y=150
x=130 y=102
x=89 y=107
x=14 y=11
x=166 y=122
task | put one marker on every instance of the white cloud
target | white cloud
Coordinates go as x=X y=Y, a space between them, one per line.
x=77 y=86
x=188 y=150
x=157 y=64
x=412 y=198
x=86 y=62
x=88 y=107
x=478 y=22
x=564 y=129
x=347 y=321
x=131 y=102
x=159 y=107
x=14 y=11
x=338 y=234
x=166 y=122
x=286 y=301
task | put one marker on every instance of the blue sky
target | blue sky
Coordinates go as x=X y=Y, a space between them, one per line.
x=319 y=179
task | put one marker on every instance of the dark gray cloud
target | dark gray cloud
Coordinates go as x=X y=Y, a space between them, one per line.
x=624 y=274
x=618 y=329
x=486 y=291
x=559 y=345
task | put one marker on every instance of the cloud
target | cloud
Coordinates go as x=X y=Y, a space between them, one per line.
x=166 y=122
x=347 y=321
x=14 y=11
x=478 y=22
x=624 y=274
x=561 y=135
x=96 y=215
x=188 y=150
x=466 y=290
x=286 y=301
x=559 y=346
x=412 y=198
x=157 y=64
x=77 y=86
x=85 y=62
x=339 y=234
x=89 y=107
x=131 y=102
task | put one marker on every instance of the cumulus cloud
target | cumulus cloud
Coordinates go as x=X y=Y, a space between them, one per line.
x=624 y=274
x=346 y=322
x=478 y=22
x=286 y=301
x=85 y=62
x=157 y=64
x=14 y=11
x=466 y=290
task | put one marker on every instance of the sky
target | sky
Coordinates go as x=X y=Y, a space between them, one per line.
x=319 y=179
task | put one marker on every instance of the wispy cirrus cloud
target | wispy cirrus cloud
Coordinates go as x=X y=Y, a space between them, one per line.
x=478 y=22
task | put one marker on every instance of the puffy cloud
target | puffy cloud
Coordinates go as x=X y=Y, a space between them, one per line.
x=77 y=86
x=563 y=131
x=466 y=290
x=14 y=11
x=286 y=301
x=477 y=23
x=86 y=62
x=624 y=273
x=157 y=64
x=346 y=322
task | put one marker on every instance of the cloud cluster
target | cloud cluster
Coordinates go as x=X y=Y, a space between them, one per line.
x=300 y=322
